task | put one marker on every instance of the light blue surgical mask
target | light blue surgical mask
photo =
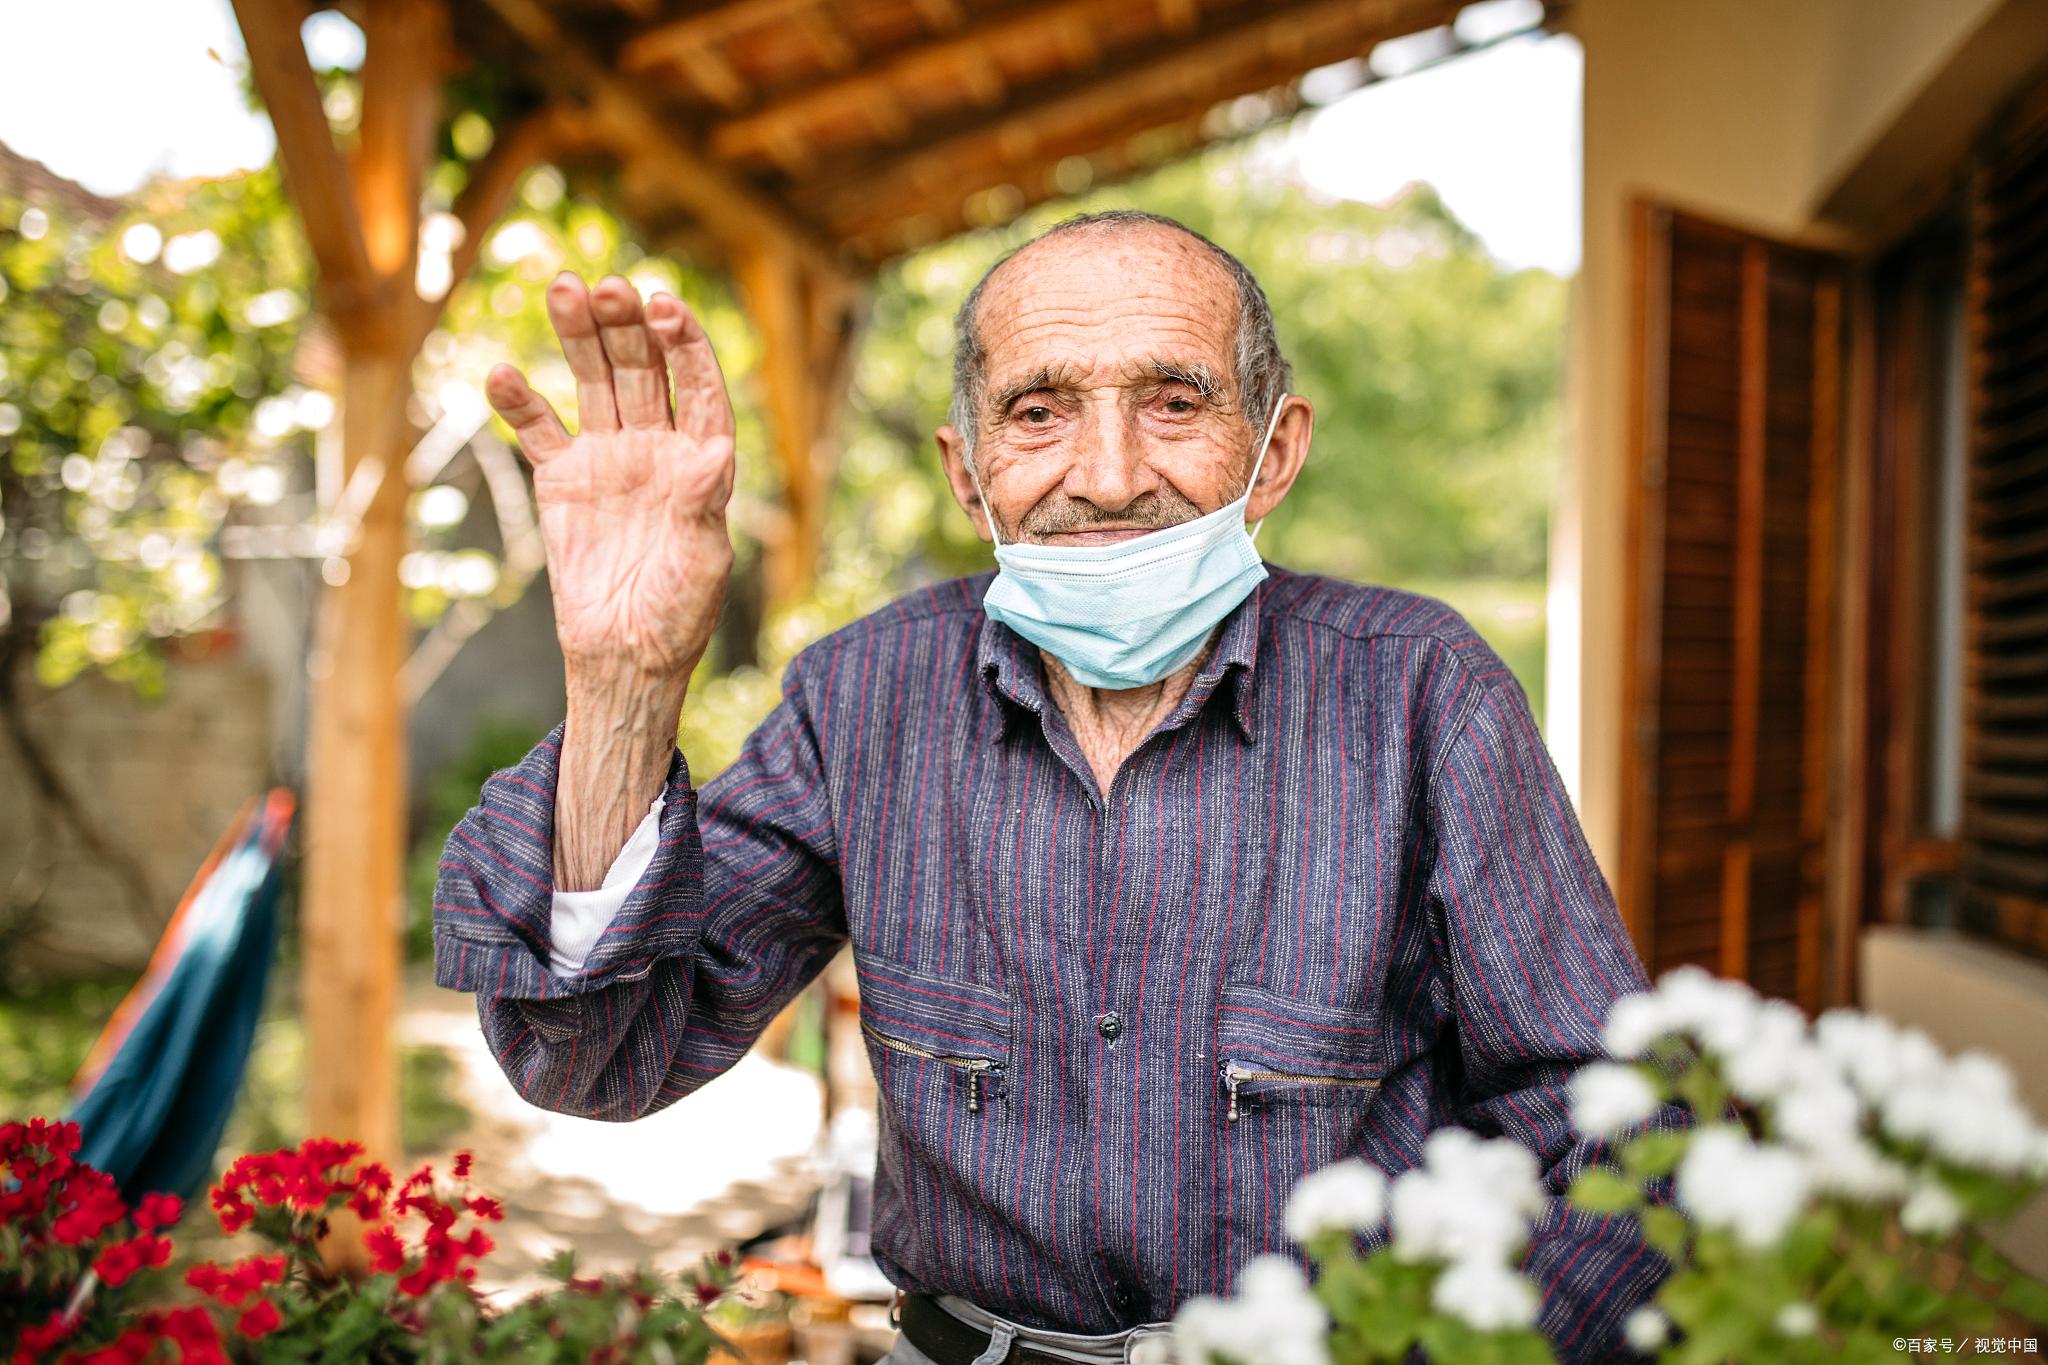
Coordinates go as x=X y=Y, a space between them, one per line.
x=1130 y=613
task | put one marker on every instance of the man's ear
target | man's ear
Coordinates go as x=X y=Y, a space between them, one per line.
x=1284 y=457
x=953 y=455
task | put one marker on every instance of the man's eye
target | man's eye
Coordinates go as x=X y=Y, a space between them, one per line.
x=1180 y=406
x=1036 y=414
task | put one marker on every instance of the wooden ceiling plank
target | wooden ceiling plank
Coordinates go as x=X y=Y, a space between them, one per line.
x=835 y=49
x=1231 y=60
x=713 y=76
x=940 y=16
x=313 y=166
x=749 y=134
x=662 y=44
x=730 y=209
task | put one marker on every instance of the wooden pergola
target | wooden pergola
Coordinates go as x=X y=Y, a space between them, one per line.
x=797 y=144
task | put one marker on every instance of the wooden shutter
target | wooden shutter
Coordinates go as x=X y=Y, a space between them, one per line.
x=1731 y=548
x=2003 y=848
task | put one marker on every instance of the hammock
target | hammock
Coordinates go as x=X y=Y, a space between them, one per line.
x=153 y=1095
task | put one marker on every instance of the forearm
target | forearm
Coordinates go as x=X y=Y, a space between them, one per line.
x=616 y=745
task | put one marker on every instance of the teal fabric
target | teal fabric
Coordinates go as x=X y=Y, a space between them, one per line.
x=154 y=1116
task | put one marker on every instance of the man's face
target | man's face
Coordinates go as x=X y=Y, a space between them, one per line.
x=1111 y=405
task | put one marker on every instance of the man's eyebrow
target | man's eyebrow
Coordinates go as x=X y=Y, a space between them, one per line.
x=1194 y=374
x=1055 y=377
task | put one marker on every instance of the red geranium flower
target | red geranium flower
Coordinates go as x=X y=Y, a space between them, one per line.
x=119 y=1262
x=259 y=1321
x=158 y=1211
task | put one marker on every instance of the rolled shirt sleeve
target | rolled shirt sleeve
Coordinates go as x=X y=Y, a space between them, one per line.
x=1535 y=951
x=665 y=976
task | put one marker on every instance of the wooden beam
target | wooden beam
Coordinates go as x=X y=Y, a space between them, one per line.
x=713 y=76
x=835 y=49
x=313 y=168
x=401 y=94
x=730 y=208
x=483 y=201
x=941 y=16
x=1114 y=154
x=1250 y=52
x=666 y=42
x=770 y=278
x=352 y=914
x=753 y=134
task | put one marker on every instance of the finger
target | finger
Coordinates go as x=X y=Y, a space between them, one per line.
x=541 y=434
x=703 y=410
x=569 y=310
x=639 y=377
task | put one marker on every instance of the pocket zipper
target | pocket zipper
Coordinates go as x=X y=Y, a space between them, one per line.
x=975 y=1067
x=1235 y=1075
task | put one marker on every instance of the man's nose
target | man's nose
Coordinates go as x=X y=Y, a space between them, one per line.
x=1109 y=467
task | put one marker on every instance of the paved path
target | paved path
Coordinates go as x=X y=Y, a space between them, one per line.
x=720 y=1165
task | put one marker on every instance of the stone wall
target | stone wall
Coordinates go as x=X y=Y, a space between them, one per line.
x=162 y=779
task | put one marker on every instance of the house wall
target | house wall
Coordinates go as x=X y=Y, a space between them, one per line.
x=1970 y=995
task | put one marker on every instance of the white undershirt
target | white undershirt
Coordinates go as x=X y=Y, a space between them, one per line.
x=579 y=917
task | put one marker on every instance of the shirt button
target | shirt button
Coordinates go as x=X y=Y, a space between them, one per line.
x=1110 y=1025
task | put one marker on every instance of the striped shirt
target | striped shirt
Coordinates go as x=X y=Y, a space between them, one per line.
x=1336 y=900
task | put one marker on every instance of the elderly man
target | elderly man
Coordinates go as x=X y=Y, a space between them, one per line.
x=1170 y=876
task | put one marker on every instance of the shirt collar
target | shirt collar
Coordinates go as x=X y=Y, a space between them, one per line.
x=1009 y=668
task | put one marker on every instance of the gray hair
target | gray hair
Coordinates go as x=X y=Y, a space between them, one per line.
x=1262 y=371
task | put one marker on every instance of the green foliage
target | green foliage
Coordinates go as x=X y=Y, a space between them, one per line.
x=1844 y=1278
x=136 y=358
x=46 y=1029
x=497 y=742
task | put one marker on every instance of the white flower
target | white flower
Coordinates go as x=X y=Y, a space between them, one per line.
x=1965 y=1109
x=1634 y=1022
x=1274 y=1320
x=1486 y=1295
x=1856 y=1170
x=1470 y=1198
x=1821 y=1115
x=1931 y=1210
x=1608 y=1097
x=1345 y=1196
x=1717 y=1011
x=1797 y=1320
x=1776 y=1055
x=1646 y=1329
x=1727 y=1181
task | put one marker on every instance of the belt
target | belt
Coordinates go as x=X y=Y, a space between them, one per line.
x=955 y=1331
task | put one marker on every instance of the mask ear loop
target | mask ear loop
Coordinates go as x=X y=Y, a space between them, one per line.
x=1272 y=425
x=986 y=510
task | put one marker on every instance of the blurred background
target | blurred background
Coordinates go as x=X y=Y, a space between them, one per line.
x=1693 y=353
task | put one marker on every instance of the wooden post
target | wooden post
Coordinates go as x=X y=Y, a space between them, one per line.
x=806 y=322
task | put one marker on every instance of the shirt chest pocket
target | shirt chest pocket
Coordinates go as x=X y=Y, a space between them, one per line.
x=1277 y=1051
x=941 y=1054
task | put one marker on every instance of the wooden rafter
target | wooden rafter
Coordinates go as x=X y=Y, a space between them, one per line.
x=731 y=209
x=313 y=167
x=715 y=23
x=752 y=135
x=521 y=144
x=1247 y=54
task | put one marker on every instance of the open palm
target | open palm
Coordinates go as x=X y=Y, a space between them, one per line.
x=632 y=507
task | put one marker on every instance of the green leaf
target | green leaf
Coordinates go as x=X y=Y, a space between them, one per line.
x=1599 y=1190
x=1665 y=1229
x=1654 y=1154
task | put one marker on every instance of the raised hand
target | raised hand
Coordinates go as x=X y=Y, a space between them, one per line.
x=632 y=507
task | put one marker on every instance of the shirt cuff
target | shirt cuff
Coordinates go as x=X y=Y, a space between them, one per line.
x=577 y=918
